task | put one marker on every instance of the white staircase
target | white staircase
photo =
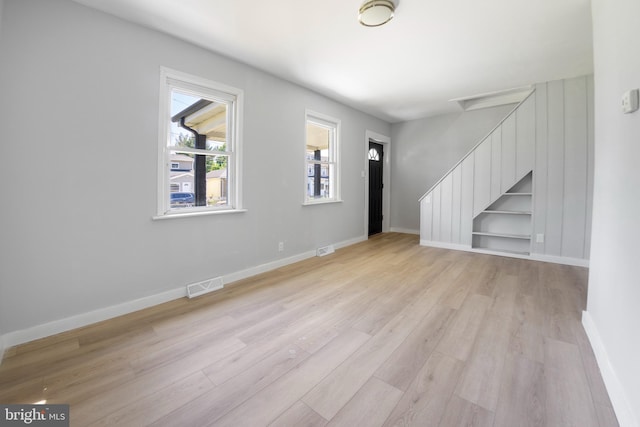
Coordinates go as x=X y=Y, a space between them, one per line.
x=484 y=202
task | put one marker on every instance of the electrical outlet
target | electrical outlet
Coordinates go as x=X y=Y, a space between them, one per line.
x=539 y=238
x=630 y=101
x=280 y=246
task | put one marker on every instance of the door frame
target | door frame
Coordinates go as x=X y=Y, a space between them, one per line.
x=385 y=141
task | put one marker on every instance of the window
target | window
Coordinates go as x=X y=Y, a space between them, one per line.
x=199 y=153
x=322 y=171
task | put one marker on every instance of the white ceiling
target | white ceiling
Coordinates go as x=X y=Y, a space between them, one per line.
x=432 y=50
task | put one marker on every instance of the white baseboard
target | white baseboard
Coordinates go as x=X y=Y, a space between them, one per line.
x=272 y=265
x=560 y=260
x=404 y=230
x=445 y=245
x=534 y=257
x=350 y=242
x=84 y=319
x=263 y=268
x=58 y=326
x=621 y=406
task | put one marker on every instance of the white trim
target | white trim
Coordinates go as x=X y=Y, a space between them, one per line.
x=404 y=230
x=350 y=242
x=621 y=406
x=533 y=257
x=321 y=202
x=335 y=124
x=370 y=135
x=577 y=262
x=272 y=265
x=197 y=213
x=58 y=326
x=169 y=79
x=263 y=268
x=79 y=320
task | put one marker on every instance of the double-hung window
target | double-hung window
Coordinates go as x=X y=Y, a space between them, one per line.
x=322 y=170
x=199 y=152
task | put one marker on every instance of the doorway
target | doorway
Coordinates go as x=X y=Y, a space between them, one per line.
x=376 y=155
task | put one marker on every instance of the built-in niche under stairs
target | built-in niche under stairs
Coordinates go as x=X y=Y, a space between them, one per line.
x=505 y=226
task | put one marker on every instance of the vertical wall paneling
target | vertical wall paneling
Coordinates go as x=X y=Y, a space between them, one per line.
x=540 y=175
x=426 y=218
x=575 y=167
x=551 y=134
x=496 y=163
x=466 y=202
x=455 y=204
x=446 y=196
x=482 y=177
x=525 y=137
x=435 y=200
x=508 y=153
x=555 y=165
x=590 y=166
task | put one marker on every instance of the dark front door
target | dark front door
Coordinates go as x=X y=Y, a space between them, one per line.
x=375 y=188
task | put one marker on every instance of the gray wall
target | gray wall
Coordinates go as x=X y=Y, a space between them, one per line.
x=614 y=286
x=79 y=119
x=424 y=150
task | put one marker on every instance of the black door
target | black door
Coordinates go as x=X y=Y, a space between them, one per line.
x=375 y=188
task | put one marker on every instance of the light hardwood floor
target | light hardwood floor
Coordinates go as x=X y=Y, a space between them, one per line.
x=382 y=333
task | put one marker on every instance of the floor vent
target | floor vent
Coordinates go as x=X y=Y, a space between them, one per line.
x=206 y=286
x=325 y=250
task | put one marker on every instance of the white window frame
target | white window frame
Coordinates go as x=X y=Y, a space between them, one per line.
x=335 y=125
x=187 y=83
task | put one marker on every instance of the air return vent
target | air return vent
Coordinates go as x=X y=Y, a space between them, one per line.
x=206 y=286
x=325 y=250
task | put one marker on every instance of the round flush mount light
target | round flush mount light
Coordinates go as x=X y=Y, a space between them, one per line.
x=374 y=13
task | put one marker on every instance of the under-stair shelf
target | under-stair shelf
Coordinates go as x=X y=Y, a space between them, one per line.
x=503 y=235
x=505 y=225
x=507 y=212
x=502 y=251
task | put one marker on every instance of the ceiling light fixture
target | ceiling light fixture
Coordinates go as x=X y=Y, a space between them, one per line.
x=374 y=13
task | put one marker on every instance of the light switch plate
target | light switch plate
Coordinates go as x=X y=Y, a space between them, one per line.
x=630 y=101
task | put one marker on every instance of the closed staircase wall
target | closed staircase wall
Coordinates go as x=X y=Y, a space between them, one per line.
x=550 y=134
x=423 y=150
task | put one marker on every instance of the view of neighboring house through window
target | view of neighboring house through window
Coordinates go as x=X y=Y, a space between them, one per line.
x=200 y=151
x=321 y=158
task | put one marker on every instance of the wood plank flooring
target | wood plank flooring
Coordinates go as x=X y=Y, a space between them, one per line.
x=382 y=333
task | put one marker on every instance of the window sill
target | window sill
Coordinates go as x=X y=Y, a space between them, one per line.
x=322 y=202
x=197 y=213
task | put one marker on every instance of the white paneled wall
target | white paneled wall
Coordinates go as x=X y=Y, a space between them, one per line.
x=564 y=167
x=478 y=180
x=551 y=134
